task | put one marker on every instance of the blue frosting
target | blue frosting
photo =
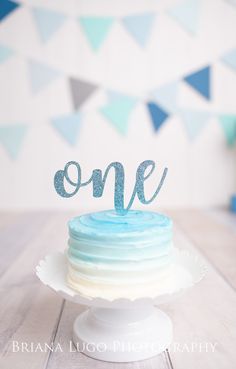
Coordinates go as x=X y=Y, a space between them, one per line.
x=109 y=237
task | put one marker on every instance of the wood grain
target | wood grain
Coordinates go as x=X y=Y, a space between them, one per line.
x=215 y=240
x=32 y=313
x=204 y=314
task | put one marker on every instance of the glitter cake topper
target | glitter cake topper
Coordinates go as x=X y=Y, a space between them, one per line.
x=144 y=171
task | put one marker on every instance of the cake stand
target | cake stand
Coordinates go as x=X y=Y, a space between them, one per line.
x=123 y=330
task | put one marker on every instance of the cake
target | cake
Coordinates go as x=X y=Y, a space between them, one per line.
x=119 y=256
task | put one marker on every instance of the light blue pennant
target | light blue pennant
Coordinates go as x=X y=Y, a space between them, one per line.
x=48 y=22
x=139 y=26
x=230 y=59
x=166 y=96
x=228 y=124
x=187 y=15
x=11 y=138
x=118 y=111
x=5 y=53
x=41 y=76
x=68 y=127
x=96 y=29
x=194 y=122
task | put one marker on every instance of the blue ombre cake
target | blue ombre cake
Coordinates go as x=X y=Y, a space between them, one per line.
x=119 y=256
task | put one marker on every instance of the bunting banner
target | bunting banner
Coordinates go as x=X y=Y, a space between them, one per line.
x=6 y=8
x=200 y=81
x=41 y=76
x=11 y=138
x=187 y=15
x=47 y=22
x=139 y=26
x=68 y=127
x=160 y=103
x=157 y=114
x=118 y=110
x=230 y=59
x=96 y=29
x=5 y=53
x=194 y=122
x=228 y=124
x=81 y=91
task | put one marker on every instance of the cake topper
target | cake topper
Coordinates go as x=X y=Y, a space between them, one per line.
x=144 y=171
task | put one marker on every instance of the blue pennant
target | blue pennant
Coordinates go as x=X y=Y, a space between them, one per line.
x=6 y=8
x=68 y=127
x=157 y=114
x=200 y=81
x=47 y=21
x=139 y=26
x=11 y=137
x=41 y=75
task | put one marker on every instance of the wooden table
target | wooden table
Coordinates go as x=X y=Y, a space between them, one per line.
x=31 y=314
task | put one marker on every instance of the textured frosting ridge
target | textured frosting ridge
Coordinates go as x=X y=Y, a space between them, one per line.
x=107 y=250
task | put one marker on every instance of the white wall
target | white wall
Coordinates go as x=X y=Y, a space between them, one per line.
x=201 y=173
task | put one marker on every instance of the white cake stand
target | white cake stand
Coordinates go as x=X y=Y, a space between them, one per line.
x=123 y=330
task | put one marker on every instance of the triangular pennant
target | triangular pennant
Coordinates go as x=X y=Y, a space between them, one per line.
x=194 y=122
x=230 y=59
x=68 y=126
x=47 y=22
x=5 y=53
x=96 y=29
x=11 y=137
x=139 y=26
x=81 y=91
x=118 y=112
x=6 y=8
x=41 y=76
x=166 y=96
x=200 y=81
x=187 y=15
x=228 y=123
x=157 y=114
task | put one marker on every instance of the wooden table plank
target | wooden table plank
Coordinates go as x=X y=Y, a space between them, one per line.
x=17 y=234
x=30 y=311
x=35 y=328
x=204 y=314
x=215 y=240
x=224 y=216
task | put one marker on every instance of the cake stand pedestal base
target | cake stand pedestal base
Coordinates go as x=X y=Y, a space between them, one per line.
x=122 y=335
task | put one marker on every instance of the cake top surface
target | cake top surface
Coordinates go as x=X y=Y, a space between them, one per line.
x=108 y=223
